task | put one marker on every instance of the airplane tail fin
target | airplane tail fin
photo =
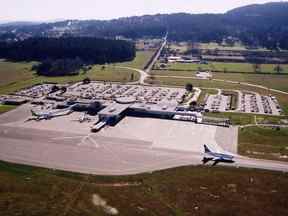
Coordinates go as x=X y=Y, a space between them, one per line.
x=207 y=150
x=33 y=113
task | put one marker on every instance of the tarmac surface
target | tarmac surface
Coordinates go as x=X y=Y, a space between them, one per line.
x=64 y=144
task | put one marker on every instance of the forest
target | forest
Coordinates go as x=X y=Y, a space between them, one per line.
x=65 y=56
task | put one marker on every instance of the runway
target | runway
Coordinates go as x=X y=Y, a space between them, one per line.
x=99 y=154
x=86 y=154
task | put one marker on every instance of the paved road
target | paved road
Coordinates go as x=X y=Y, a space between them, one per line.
x=144 y=74
x=149 y=68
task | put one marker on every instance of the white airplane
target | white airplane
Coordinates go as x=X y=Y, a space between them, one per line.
x=216 y=157
x=46 y=115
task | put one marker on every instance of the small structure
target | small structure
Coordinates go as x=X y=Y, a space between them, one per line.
x=204 y=75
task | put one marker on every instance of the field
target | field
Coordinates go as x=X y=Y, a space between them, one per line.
x=203 y=94
x=227 y=67
x=244 y=119
x=278 y=82
x=220 y=47
x=14 y=76
x=142 y=57
x=264 y=143
x=6 y=108
x=183 y=191
x=11 y=72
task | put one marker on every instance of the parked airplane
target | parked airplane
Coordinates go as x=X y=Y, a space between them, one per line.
x=216 y=157
x=46 y=115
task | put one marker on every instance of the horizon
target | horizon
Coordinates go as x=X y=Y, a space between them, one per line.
x=89 y=10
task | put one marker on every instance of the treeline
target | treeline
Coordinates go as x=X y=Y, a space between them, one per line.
x=59 y=67
x=263 y=25
x=89 y=50
x=255 y=25
x=66 y=56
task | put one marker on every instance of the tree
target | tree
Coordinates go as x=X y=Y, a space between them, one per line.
x=278 y=68
x=193 y=104
x=257 y=68
x=132 y=77
x=86 y=81
x=189 y=87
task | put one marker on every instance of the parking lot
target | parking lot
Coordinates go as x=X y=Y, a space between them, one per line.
x=248 y=102
x=142 y=94
x=37 y=91
x=218 y=103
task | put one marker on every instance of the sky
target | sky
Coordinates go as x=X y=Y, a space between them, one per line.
x=50 y=10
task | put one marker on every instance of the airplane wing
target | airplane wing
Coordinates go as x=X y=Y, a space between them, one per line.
x=215 y=162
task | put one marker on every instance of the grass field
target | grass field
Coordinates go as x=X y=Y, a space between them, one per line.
x=279 y=82
x=264 y=143
x=142 y=58
x=214 y=46
x=183 y=191
x=271 y=81
x=11 y=72
x=6 y=108
x=14 y=76
x=227 y=67
x=203 y=94
x=244 y=119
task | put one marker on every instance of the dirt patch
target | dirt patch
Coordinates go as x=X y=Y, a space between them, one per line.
x=97 y=200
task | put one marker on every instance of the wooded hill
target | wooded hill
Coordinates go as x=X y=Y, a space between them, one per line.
x=263 y=25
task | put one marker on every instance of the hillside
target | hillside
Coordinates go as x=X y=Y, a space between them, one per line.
x=255 y=25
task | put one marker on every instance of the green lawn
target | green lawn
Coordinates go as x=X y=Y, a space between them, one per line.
x=11 y=72
x=264 y=143
x=214 y=46
x=200 y=190
x=6 y=108
x=205 y=92
x=244 y=119
x=142 y=58
x=235 y=118
x=15 y=76
x=228 y=67
x=279 y=82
